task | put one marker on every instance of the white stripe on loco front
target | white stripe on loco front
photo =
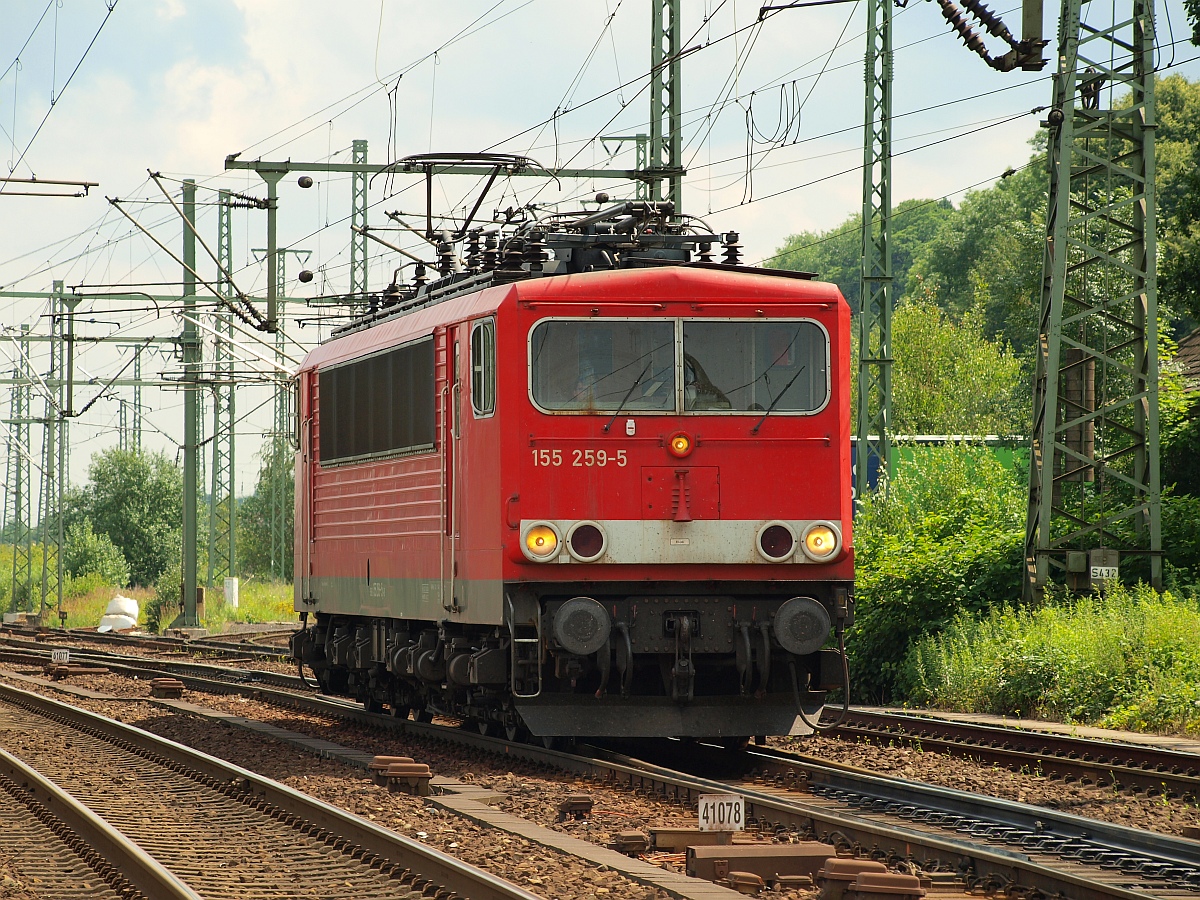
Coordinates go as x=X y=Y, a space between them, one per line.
x=637 y=541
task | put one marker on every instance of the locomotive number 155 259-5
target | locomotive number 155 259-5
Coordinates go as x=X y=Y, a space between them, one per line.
x=581 y=458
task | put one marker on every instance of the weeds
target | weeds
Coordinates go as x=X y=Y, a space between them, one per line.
x=1128 y=658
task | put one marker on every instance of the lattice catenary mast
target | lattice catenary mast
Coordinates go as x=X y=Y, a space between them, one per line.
x=1094 y=468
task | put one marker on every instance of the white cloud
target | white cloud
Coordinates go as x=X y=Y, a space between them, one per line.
x=169 y=10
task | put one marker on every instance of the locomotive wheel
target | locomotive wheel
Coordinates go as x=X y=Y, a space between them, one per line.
x=423 y=715
x=399 y=710
x=373 y=705
x=516 y=733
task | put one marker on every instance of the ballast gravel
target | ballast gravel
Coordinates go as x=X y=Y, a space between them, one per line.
x=534 y=794
x=544 y=871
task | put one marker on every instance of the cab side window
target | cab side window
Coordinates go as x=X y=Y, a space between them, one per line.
x=483 y=368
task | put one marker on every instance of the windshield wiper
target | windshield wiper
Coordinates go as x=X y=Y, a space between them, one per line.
x=775 y=402
x=628 y=394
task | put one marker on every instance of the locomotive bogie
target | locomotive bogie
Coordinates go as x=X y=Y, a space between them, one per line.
x=676 y=663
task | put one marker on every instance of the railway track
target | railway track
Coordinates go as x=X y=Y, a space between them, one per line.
x=1122 y=766
x=25 y=652
x=1133 y=767
x=1013 y=824
x=977 y=842
x=985 y=845
x=226 y=647
x=65 y=850
x=205 y=828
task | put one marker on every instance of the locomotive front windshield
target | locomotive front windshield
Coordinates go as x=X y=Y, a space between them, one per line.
x=754 y=366
x=679 y=366
x=605 y=365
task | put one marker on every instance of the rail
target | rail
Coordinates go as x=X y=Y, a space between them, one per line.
x=368 y=840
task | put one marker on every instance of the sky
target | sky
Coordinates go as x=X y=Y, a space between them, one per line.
x=107 y=90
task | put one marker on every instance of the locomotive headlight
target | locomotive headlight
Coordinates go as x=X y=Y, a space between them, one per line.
x=679 y=444
x=821 y=541
x=541 y=542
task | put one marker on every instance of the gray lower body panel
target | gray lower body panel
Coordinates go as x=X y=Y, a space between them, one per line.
x=736 y=716
x=479 y=601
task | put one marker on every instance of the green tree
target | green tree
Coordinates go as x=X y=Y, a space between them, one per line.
x=135 y=498
x=87 y=553
x=949 y=379
x=987 y=255
x=836 y=255
x=1179 y=424
x=276 y=479
x=1177 y=158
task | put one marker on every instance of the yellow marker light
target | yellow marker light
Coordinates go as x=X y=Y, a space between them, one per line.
x=541 y=541
x=679 y=444
x=820 y=541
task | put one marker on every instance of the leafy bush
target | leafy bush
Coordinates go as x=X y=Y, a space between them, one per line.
x=1127 y=658
x=945 y=537
x=87 y=553
x=160 y=610
x=948 y=378
x=1181 y=539
x=77 y=586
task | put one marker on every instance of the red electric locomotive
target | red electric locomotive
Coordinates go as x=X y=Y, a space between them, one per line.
x=593 y=484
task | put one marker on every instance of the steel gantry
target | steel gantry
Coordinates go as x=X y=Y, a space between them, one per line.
x=1094 y=467
x=44 y=493
x=222 y=509
x=358 y=221
x=192 y=359
x=131 y=412
x=875 y=284
x=18 y=486
x=55 y=469
x=666 y=138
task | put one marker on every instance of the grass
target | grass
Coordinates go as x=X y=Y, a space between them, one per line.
x=258 y=601
x=85 y=601
x=1127 y=658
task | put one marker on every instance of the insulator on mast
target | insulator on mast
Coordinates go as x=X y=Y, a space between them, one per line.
x=958 y=22
x=447 y=262
x=990 y=21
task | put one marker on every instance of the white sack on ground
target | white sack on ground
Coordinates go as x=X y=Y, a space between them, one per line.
x=122 y=612
x=122 y=606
